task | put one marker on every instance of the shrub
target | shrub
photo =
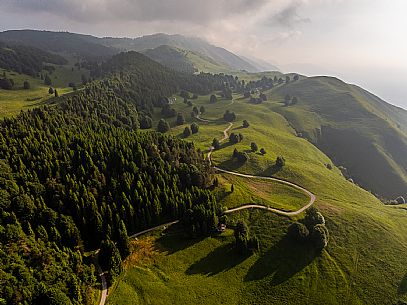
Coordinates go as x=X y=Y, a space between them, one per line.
x=245 y=124
x=262 y=151
x=253 y=147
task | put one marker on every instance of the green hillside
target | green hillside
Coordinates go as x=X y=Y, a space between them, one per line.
x=356 y=129
x=364 y=260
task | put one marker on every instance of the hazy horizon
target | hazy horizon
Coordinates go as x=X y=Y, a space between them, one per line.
x=361 y=42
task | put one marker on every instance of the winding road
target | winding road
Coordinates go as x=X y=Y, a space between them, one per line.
x=243 y=207
x=257 y=206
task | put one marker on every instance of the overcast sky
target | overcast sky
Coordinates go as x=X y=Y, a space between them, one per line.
x=361 y=41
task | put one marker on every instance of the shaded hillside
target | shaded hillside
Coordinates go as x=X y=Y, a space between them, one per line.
x=219 y=55
x=172 y=58
x=356 y=129
x=61 y=42
x=27 y=60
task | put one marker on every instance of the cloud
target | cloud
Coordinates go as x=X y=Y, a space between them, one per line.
x=288 y=16
x=198 y=12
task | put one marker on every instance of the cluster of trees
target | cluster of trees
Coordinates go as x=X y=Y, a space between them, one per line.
x=188 y=130
x=244 y=241
x=235 y=138
x=311 y=229
x=27 y=60
x=240 y=156
x=229 y=116
x=289 y=100
x=202 y=218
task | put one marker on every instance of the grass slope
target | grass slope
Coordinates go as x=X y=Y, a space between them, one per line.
x=13 y=101
x=362 y=264
x=355 y=128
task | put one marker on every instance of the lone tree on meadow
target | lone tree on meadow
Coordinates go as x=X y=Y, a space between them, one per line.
x=253 y=147
x=51 y=90
x=56 y=93
x=262 y=151
x=202 y=109
x=194 y=128
x=26 y=85
x=280 y=162
x=245 y=124
x=187 y=132
x=163 y=126
x=213 y=99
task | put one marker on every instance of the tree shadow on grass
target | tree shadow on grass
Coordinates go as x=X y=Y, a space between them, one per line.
x=230 y=164
x=270 y=171
x=402 y=289
x=219 y=260
x=175 y=239
x=282 y=261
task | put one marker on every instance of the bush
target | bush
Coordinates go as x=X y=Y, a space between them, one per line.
x=245 y=124
x=253 y=147
x=213 y=99
x=51 y=90
x=262 y=151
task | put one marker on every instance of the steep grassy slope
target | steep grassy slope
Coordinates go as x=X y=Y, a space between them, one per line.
x=363 y=263
x=358 y=130
x=172 y=58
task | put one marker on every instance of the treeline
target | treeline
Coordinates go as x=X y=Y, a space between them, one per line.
x=27 y=60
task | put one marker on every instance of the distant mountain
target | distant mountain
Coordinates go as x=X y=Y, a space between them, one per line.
x=204 y=56
x=219 y=55
x=358 y=130
x=59 y=42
